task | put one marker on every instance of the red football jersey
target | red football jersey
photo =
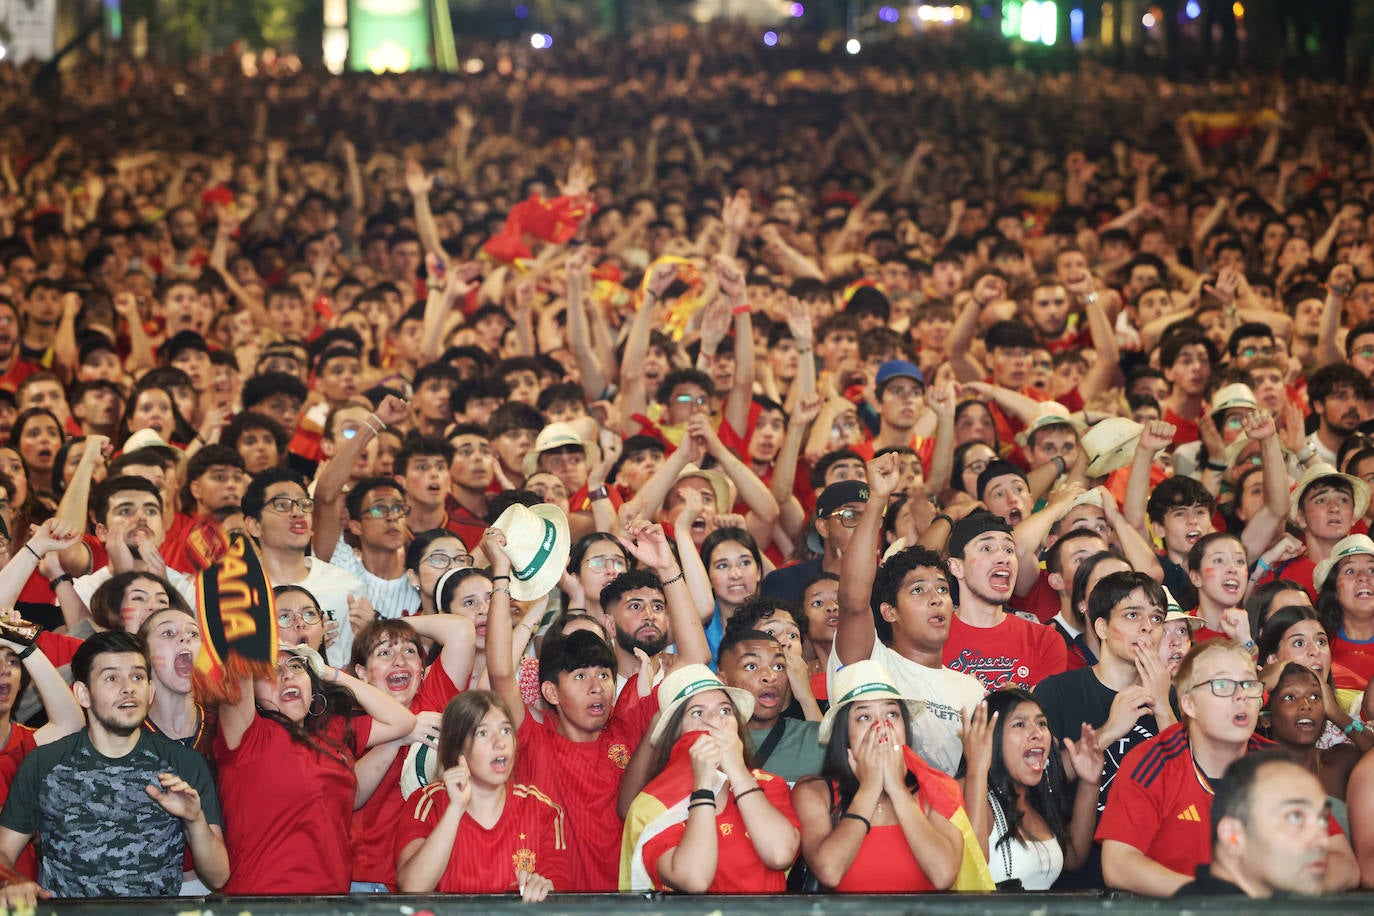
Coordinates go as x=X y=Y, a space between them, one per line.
x=1015 y=651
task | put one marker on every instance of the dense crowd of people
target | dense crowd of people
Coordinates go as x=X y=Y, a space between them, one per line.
x=679 y=465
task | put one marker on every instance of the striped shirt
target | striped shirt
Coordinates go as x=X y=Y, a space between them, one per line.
x=391 y=598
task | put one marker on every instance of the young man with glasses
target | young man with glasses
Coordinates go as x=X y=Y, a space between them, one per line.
x=1156 y=828
x=376 y=509
x=277 y=514
x=838 y=509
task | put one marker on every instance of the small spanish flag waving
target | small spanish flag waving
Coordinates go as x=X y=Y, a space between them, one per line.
x=238 y=622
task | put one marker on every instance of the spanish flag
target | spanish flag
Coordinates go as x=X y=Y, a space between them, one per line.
x=943 y=794
x=662 y=804
x=687 y=304
x=1217 y=128
x=553 y=220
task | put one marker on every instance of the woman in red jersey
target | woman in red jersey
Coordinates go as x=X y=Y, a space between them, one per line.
x=473 y=832
x=865 y=828
x=285 y=752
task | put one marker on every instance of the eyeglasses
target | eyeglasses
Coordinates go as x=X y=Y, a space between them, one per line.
x=292 y=667
x=1226 y=687
x=1234 y=422
x=1364 y=353
x=1251 y=352
x=616 y=563
x=387 y=510
x=849 y=518
x=976 y=467
x=285 y=504
x=438 y=560
x=699 y=399
x=309 y=617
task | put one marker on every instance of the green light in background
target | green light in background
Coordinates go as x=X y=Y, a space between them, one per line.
x=1011 y=18
x=388 y=35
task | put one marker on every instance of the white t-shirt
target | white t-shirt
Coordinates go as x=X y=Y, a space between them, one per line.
x=946 y=693
x=392 y=598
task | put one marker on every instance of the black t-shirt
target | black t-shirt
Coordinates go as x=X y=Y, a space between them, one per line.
x=1206 y=884
x=1177 y=582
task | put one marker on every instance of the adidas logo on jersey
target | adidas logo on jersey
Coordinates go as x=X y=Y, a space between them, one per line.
x=1190 y=814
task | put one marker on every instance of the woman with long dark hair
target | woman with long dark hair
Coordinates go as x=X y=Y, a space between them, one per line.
x=1029 y=828
x=869 y=824
x=285 y=752
x=472 y=832
x=737 y=833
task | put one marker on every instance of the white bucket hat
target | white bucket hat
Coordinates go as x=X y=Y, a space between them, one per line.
x=1350 y=546
x=537 y=542
x=1110 y=445
x=864 y=680
x=421 y=768
x=685 y=682
x=558 y=435
x=1231 y=397
x=1319 y=472
x=1049 y=413
x=1174 y=611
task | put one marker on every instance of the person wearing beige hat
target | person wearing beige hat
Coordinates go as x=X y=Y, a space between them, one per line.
x=1345 y=599
x=1229 y=407
x=579 y=753
x=1325 y=504
x=863 y=828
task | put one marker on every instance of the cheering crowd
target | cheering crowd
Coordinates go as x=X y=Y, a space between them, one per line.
x=678 y=469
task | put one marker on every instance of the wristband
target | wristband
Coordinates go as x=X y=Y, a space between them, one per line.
x=1355 y=724
x=669 y=582
x=599 y=493
x=1211 y=465
x=949 y=521
x=65 y=577
x=858 y=817
x=1263 y=564
x=32 y=551
x=702 y=795
x=28 y=650
x=743 y=309
x=575 y=610
x=702 y=804
x=748 y=792
x=1249 y=646
x=499 y=578
x=1061 y=464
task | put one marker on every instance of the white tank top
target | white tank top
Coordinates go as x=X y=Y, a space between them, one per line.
x=1037 y=863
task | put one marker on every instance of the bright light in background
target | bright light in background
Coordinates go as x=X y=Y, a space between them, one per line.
x=939 y=13
x=1192 y=10
x=521 y=11
x=853 y=46
x=1011 y=19
x=473 y=65
x=539 y=41
x=1030 y=21
x=4 y=52
x=1076 y=26
x=1239 y=9
x=1049 y=22
x=888 y=14
x=770 y=38
x=797 y=11
x=1148 y=20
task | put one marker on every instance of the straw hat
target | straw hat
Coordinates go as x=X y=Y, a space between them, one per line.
x=715 y=480
x=1110 y=445
x=1351 y=546
x=864 y=680
x=558 y=435
x=421 y=768
x=1049 y=413
x=537 y=543
x=1231 y=397
x=1319 y=472
x=143 y=439
x=685 y=682
x=1174 y=611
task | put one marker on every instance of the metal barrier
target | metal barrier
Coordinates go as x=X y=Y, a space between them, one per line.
x=1086 y=904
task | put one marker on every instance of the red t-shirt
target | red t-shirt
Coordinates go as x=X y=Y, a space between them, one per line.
x=17 y=746
x=885 y=865
x=1041 y=600
x=1300 y=570
x=1014 y=652
x=1356 y=657
x=1184 y=431
x=286 y=810
x=739 y=870
x=584 y=778
x=21 y=370
x=1161 y=804
x=529 y=836
x=372 y=832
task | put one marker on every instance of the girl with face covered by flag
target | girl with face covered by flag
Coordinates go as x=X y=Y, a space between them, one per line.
x=707 y=823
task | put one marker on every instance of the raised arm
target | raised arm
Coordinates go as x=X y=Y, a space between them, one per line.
x=64 y=715
x=457 y=638
x=646 y=542
x=1157 y=435
x=635 y=398
x=763 y=508
x=1338 y=286
x=1269 y=519
x=501 y=667
x=856 y=634
x=965 y=328
x=594 y=381
x=1108 y=363
x=736 y=410
x=329 y=487
x=419 y=184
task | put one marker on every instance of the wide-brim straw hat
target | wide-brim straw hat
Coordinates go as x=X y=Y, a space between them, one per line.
x=685 y=682
x=537 y=542
x=861 y=681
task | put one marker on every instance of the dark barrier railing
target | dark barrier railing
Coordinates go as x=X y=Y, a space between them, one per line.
x=1086 y=904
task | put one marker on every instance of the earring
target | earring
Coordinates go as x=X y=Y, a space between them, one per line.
x=324 y=704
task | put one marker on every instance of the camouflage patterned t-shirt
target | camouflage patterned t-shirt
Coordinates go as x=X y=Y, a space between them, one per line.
x=102 y=835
